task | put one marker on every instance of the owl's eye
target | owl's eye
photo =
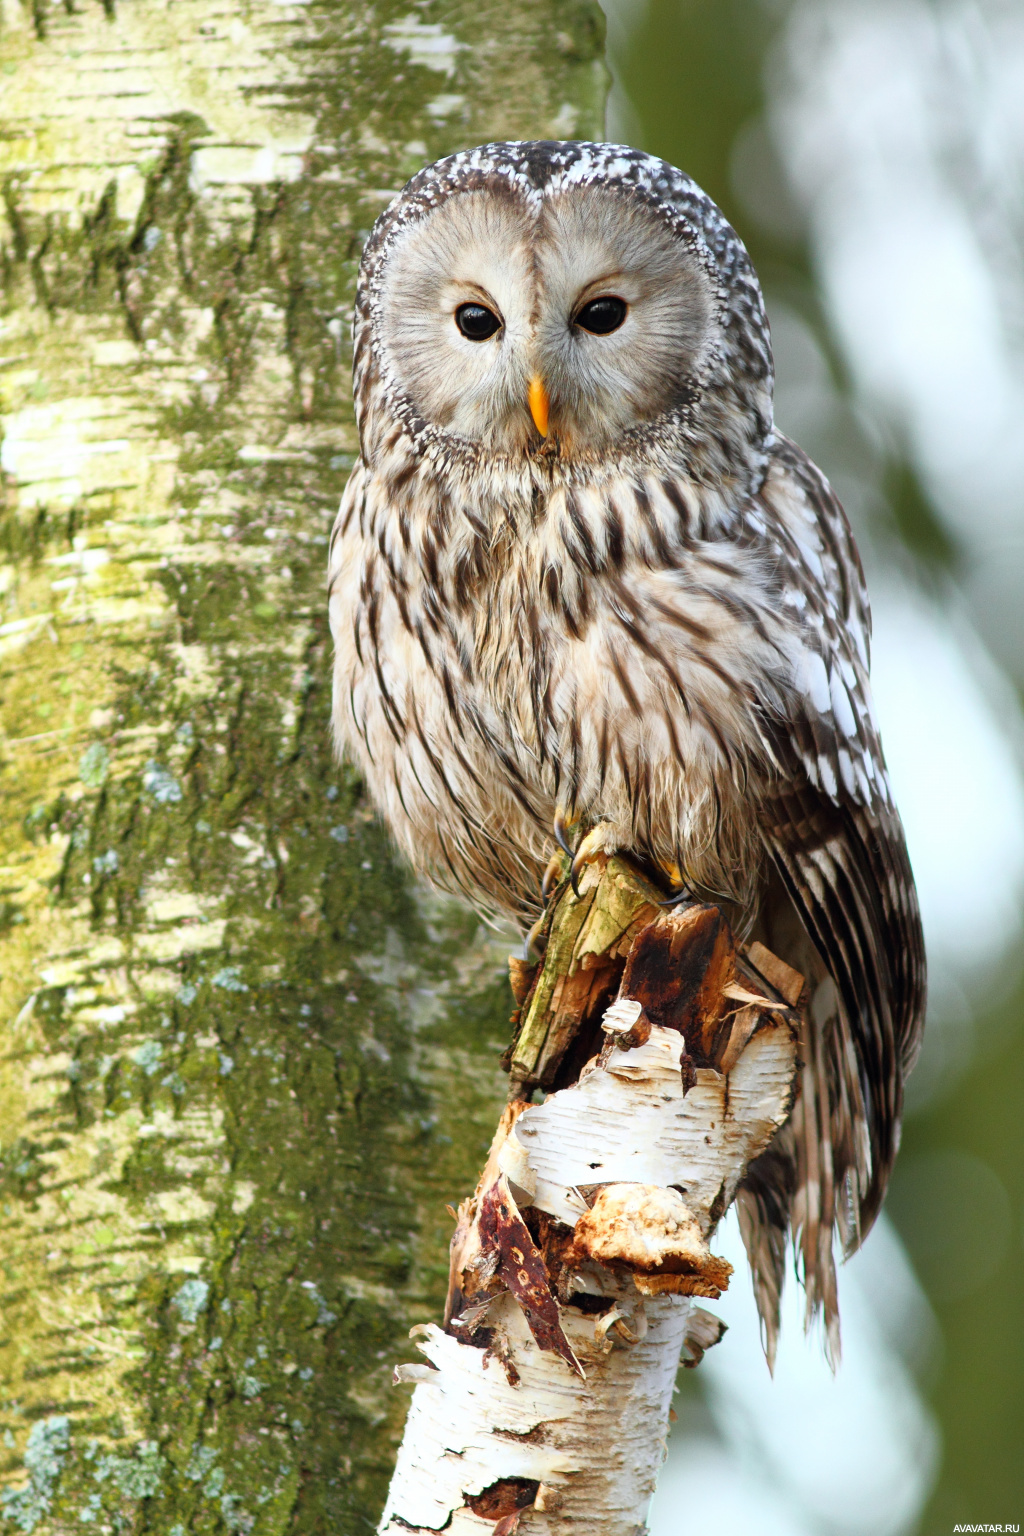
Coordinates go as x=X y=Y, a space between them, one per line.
x=476 y=322
x=602 y=316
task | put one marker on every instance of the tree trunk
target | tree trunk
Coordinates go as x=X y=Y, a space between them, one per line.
x=245 y=1062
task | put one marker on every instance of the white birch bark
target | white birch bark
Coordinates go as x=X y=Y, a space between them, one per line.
x=536 y=1435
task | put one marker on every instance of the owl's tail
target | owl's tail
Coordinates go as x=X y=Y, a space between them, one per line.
x=812 y=1180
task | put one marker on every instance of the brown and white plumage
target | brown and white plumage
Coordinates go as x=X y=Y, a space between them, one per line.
x=654 y=615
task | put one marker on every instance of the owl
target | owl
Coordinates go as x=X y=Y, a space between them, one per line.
x=583 y=591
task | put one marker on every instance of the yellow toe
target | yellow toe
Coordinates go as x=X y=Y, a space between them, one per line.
x=591 y=845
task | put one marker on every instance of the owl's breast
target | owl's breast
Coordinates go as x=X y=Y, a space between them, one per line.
x=589 y=650
x=417 y=703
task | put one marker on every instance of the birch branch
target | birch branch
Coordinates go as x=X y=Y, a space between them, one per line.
x=668 y=1058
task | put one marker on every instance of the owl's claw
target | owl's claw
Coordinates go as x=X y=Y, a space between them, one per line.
x=551 y=875
x=561 y=831
x=676 y=878
x=528 y=951
x=593 y=843
x=589 y=846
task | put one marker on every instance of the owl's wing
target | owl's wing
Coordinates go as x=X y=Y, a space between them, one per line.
x=832 y=829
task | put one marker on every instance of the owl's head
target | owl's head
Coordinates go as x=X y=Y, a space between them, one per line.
x=561 y=299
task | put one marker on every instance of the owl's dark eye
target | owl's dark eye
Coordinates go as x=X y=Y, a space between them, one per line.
x=602 y=316
x=476 y=322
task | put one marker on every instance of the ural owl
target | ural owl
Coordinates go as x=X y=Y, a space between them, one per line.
x=579 y=580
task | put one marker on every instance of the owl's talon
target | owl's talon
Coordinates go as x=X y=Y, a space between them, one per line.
x=590 y=845
x=551 y=875
x=528 y=952
x=681 y=891
x=561 y=831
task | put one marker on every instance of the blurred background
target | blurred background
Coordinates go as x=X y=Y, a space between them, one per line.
x=871 y=154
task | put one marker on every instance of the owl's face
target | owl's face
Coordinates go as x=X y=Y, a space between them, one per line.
x=573 y=317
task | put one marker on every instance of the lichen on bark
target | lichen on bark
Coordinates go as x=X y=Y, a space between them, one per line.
x=245 y=1061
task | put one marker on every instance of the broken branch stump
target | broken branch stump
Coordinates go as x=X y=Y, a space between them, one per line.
x=668 y=1056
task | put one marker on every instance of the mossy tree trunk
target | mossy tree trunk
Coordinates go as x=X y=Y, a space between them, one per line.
x=244 y=1060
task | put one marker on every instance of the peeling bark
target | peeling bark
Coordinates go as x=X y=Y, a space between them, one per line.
x=574 y=1265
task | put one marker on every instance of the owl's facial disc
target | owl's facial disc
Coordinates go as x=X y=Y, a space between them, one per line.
x=506 y=323
x=626 y=319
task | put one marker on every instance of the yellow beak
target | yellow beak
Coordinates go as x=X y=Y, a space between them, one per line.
x=539 y=404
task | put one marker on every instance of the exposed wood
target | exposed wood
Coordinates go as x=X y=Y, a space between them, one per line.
x=587 y=939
